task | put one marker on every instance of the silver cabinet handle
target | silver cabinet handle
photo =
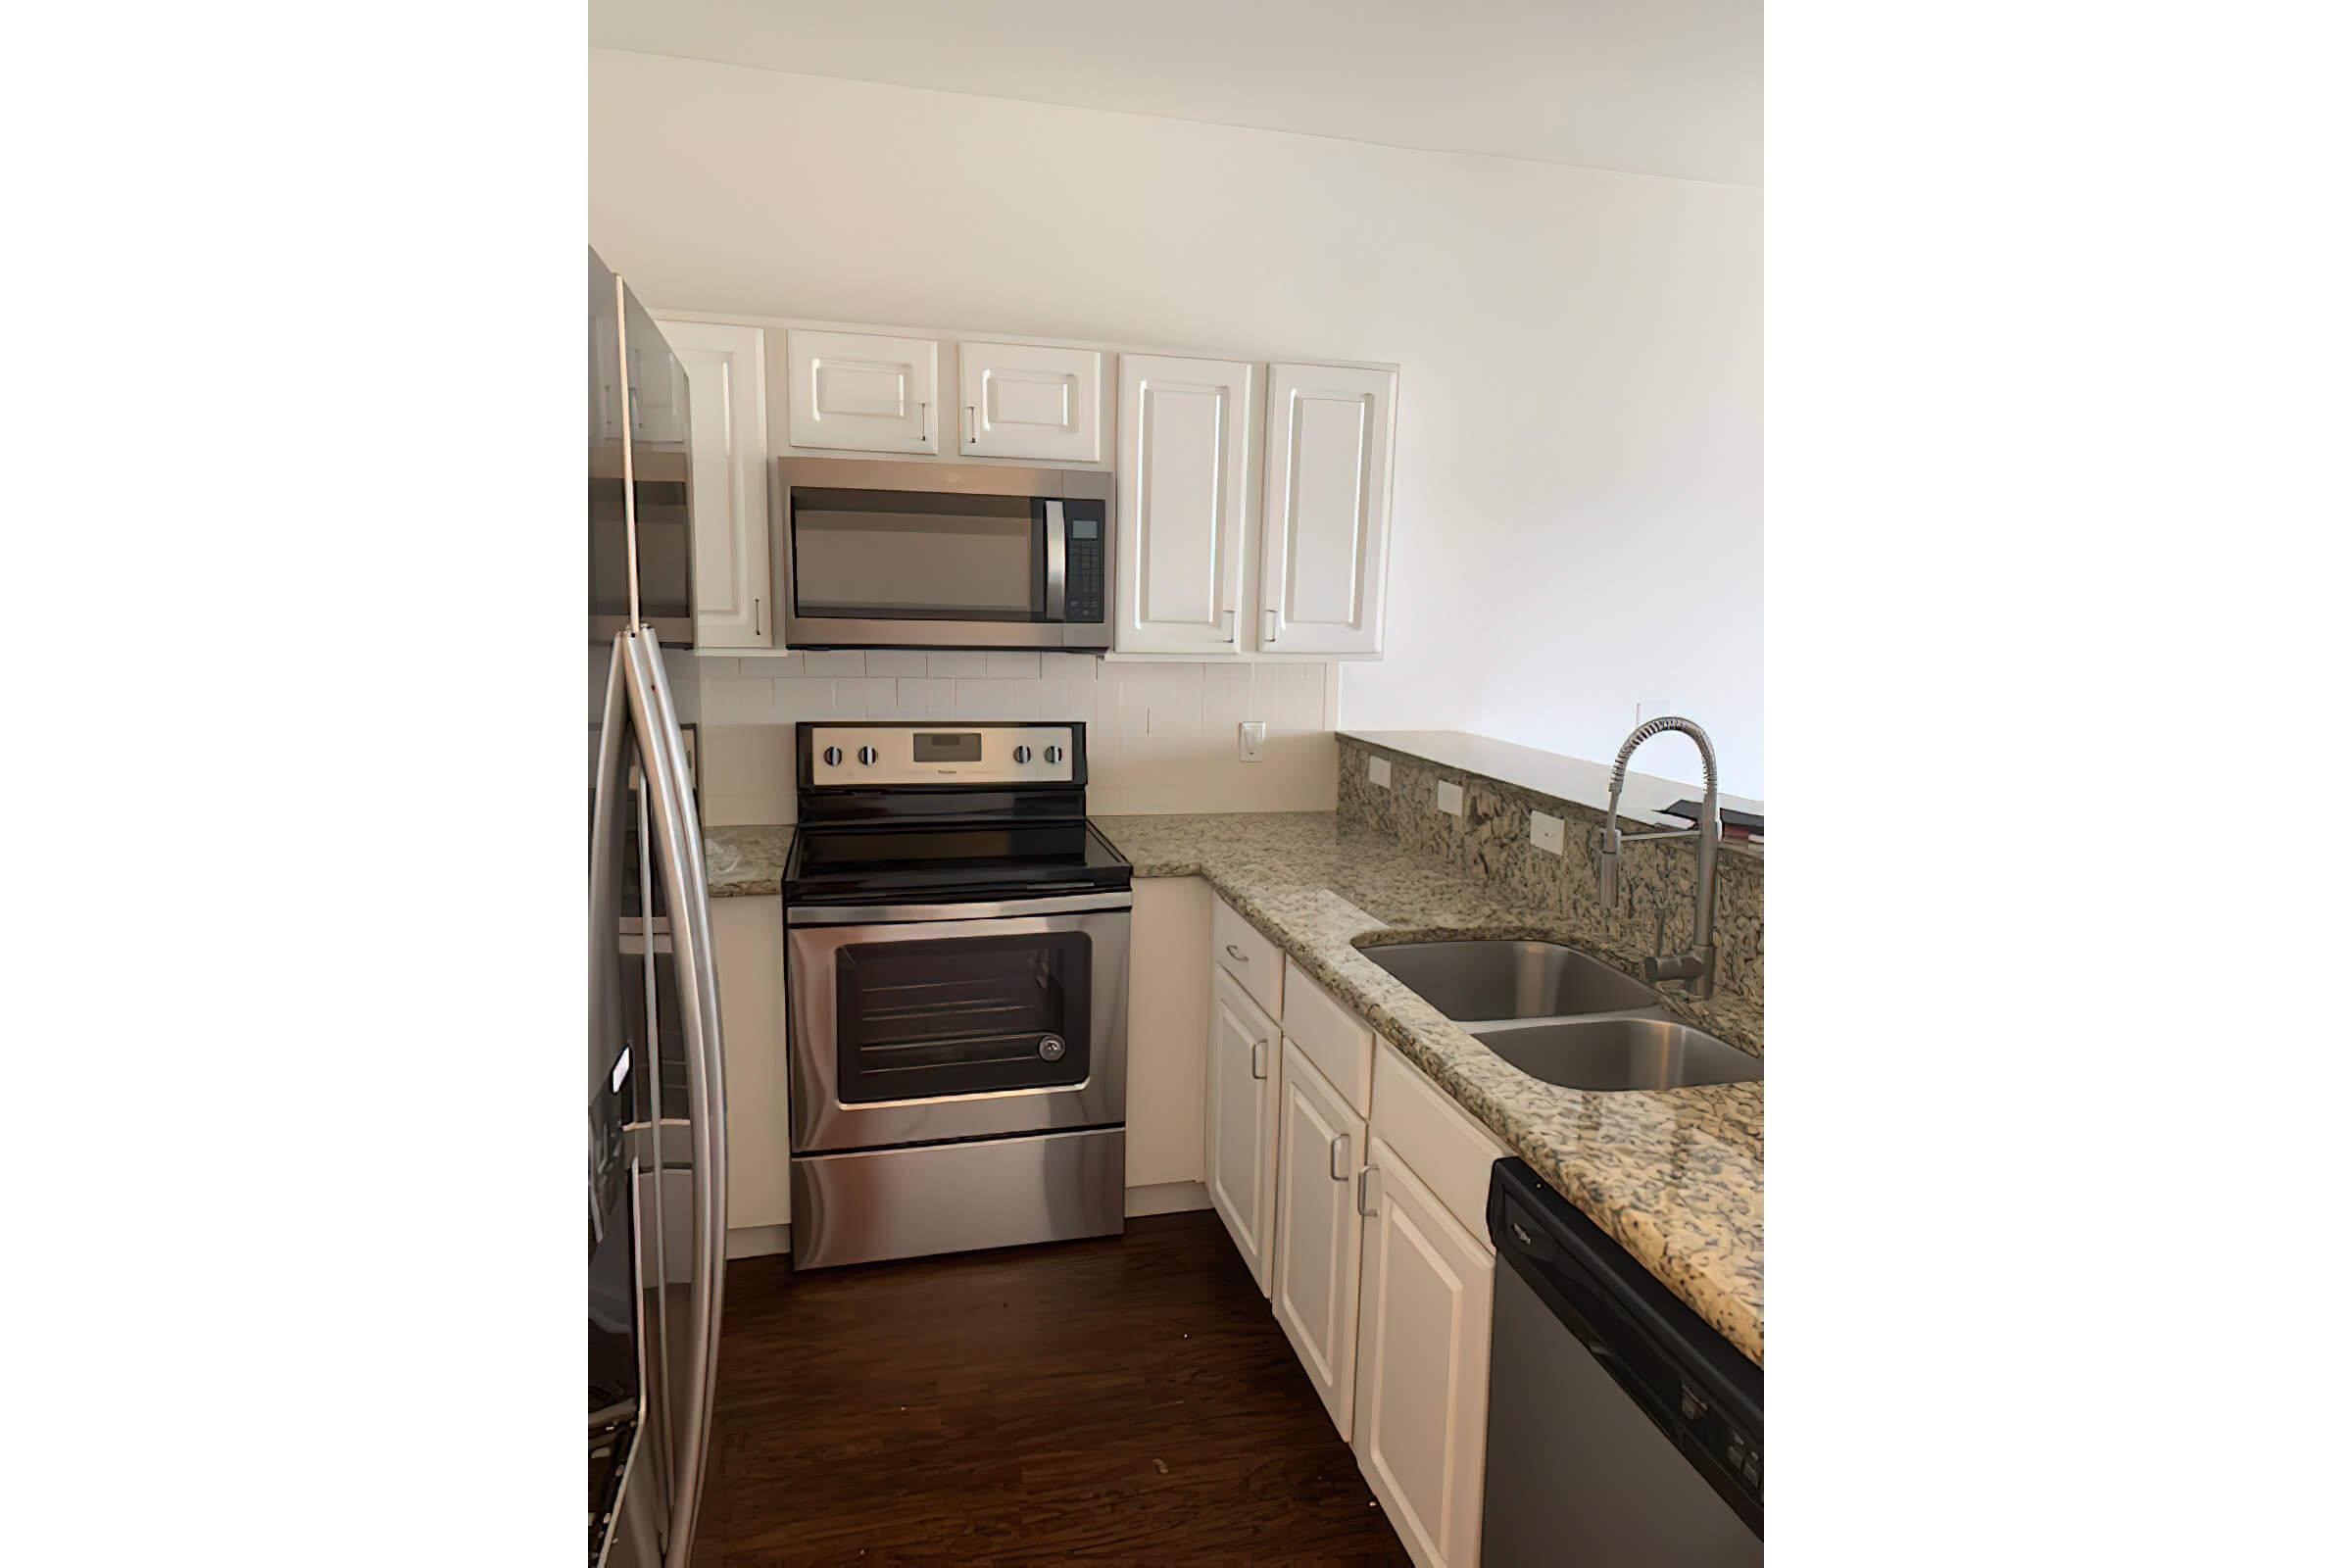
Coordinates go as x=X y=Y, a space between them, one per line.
x=1339 y=1158
x=972 y=425
x=1272 y=621
x=1367 y=1194
x=1257 y=1059
x=1236 y=953
x=1233 y=630
x=922 y=414
x=759 y=616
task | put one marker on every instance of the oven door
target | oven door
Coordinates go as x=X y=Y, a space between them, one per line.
x=921 y=1023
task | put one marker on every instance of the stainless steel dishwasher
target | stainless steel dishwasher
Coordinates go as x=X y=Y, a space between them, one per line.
x=1622 y=1431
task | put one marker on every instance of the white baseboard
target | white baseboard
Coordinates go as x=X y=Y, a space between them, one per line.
x=759 y=1241
x=1166 y=1198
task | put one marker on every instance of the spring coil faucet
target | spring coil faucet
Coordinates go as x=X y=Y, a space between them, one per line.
x=1696 y=966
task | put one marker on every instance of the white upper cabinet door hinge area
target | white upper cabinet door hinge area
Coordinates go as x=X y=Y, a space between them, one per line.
x=1329 y=433
x=1183 y=481
x=727 y=368
x=1024 y=402
x=863 y=392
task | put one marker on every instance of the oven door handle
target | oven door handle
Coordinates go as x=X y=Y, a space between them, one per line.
x=1058 y=562
x=1010 y=908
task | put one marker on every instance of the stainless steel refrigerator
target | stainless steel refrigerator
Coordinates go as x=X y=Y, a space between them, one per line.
x=657 y=1100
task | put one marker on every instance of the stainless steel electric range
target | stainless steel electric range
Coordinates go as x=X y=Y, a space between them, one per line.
x=955 y=971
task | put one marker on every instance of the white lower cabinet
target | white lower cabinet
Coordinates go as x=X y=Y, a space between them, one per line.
x=1421 y=1365
x=1318 y=1238
x=1243 y=1057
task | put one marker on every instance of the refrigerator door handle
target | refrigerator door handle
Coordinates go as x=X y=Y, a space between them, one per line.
x=677 y=833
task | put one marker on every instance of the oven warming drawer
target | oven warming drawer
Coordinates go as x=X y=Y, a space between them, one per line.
x=881 y=1203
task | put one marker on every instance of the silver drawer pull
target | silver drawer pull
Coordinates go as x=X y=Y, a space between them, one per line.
x=1339 y=1158
x=1367 y=1196
x=1236 y=953
x=1257 y=1059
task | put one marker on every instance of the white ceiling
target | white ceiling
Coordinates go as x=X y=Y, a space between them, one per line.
x=1647 y=86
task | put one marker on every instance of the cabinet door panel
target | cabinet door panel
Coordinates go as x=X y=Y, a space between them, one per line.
x=863 y=391
x=1243 y=1045
x=1026 y=402
x=1329 y=432
x=1181 y=462
x=727 y=370
x=1318 y=1237
x=1421 y=1367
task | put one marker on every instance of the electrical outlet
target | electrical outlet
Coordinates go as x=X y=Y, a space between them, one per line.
x=1254 y=739
x=1547 y=832
x=1379 y=771
x=1449 y=798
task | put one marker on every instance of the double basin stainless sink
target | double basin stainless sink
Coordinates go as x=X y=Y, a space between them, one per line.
x=1563 y=1016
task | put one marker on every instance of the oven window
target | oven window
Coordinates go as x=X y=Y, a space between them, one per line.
x=960 y=1015
x=902 y=556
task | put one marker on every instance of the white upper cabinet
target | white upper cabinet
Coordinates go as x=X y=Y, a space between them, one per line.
x=863 y=391
x=1329 y=432
x=1421 y=1365
x=727 y=370
x=1023 y=402
x=1318 y=1238
x=1182 y=477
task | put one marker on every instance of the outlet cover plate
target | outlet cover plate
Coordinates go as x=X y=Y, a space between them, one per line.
x=1254 y=739
x=1545 y=831
x=1449 y=797
x=1379 y=771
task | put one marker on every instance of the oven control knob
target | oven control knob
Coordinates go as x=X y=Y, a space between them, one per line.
x=832 y=757
x=868 y=756
x=1052 y=1049
x=1020 y=753
x=1053 y=754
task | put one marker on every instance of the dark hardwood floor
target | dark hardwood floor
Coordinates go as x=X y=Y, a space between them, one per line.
x=1128 y=1400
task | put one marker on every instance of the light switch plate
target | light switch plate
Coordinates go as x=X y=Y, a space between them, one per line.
x=1449 y=797
x=1545 y=831
x=1254 y=739
x=1380 y=771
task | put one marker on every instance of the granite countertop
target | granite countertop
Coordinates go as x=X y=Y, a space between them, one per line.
x=1676 y=1176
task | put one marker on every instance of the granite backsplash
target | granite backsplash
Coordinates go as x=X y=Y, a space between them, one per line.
x=1489 y=839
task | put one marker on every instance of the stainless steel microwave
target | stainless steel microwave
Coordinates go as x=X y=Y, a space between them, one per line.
x=944 y=555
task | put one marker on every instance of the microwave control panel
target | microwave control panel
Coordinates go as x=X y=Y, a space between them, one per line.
x=1085 y=526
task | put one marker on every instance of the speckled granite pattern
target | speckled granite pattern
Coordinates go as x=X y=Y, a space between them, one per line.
x=1677 y=1177
x=745 y=861
x=1490 y=838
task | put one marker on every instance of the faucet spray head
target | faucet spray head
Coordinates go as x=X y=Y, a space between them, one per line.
x=1609 y=841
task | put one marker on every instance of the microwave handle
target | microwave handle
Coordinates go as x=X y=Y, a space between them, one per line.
x=1057 y=561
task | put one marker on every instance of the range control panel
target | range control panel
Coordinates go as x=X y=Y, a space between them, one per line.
x=867 y=754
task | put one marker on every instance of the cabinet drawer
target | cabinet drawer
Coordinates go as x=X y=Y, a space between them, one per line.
x=1247 y=956
x=1448 y=1149
x=1330 y=1036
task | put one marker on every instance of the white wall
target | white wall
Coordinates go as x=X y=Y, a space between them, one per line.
x=1578 y=490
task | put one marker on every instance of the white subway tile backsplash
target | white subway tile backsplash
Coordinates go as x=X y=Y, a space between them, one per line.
x=866 y=697
x=997 y=699
x=798 y=700
x=927 y=699
x=1159 y=735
